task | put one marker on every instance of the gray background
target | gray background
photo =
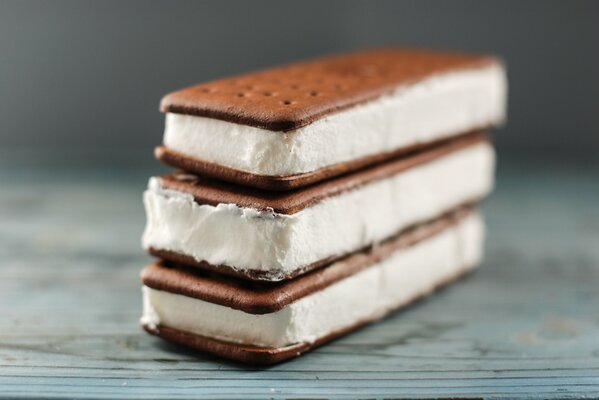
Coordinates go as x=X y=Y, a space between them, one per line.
x=78 y=74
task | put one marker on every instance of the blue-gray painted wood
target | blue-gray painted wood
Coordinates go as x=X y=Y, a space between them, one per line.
x=525 y=325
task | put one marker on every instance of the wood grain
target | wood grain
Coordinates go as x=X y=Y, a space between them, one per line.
x=525 y=326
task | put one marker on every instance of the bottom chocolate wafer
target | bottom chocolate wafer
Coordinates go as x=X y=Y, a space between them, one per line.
x=264 y=323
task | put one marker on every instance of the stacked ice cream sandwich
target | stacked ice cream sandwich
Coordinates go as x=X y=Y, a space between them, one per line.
x=314 y=198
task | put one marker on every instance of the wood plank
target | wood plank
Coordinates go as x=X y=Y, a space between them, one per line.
x=525 y=325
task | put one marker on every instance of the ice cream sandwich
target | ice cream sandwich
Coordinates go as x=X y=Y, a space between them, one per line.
x=274 y=236
x=265 y=323
x=295 y=125
x=314 y=198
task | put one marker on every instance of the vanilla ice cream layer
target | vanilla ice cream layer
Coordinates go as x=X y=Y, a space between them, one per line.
x=407 y=274
x=431 y=109
x=279 y=244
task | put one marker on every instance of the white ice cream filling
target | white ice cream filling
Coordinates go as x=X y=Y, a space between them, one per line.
x=278 y=244
x=431 y=109
x=407 y=274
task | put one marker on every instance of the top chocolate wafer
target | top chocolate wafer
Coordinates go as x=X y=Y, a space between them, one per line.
x=294 y=125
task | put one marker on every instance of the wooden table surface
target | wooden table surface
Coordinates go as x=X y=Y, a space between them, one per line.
x=525 y=325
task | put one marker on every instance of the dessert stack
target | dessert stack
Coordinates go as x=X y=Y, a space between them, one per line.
x=314 y=198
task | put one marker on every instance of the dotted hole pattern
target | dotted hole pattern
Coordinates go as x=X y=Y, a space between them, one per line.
x=299 y=85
